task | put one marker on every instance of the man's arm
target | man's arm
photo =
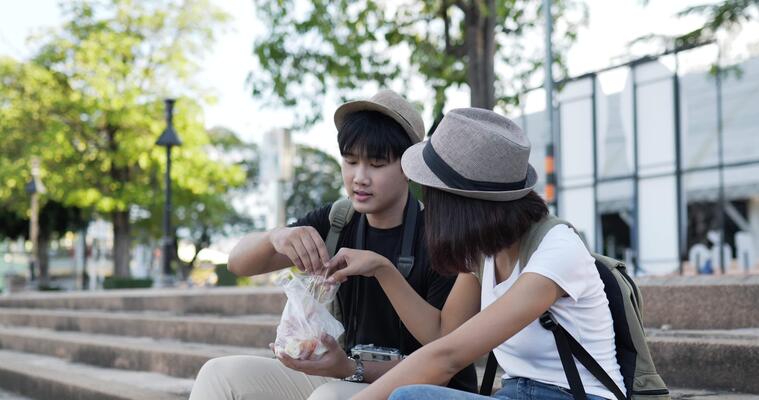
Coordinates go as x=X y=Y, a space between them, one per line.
x=254 y=255
x=277 y=249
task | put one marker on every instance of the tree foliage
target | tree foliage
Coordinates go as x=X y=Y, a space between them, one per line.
x=89 y=104
x=723 y=15
x=491 y=46
x=317 y=181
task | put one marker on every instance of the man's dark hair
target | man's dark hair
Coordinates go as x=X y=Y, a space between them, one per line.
x=460 y=230
x=373 y=135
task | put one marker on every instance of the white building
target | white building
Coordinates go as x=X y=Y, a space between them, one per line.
x=662 y=142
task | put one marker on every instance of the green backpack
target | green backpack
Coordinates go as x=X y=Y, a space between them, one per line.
x=636 y=365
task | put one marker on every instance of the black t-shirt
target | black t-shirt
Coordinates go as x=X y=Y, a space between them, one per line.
x=368 y=316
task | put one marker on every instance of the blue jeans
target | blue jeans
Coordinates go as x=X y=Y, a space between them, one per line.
x=512 y=389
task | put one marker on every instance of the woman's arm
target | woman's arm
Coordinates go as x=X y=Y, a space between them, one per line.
x=423 y=320
x=436 y=363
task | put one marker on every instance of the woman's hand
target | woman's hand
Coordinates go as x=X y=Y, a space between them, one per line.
x=350 y=262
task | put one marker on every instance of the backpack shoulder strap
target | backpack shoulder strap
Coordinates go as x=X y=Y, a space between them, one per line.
x=486 y=389
x=531 y=240
x=339 y=216
x=569 y=349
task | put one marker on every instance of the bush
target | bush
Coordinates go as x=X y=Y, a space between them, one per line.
x=117 y=282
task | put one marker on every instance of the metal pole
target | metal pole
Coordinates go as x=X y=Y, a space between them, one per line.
x=168 y=138
x=167 y=237
x=720 y=162
x=636 y=180
x=681 y=206
x=598 y=237
x=552 y=195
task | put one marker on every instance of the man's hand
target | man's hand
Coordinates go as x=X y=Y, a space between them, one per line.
x=350 y=262
x=334 y=363
x=302 y=245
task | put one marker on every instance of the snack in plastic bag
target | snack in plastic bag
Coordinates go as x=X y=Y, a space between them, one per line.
x=306 y=315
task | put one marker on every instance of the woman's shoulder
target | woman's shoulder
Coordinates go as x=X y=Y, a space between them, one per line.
x=563 y=258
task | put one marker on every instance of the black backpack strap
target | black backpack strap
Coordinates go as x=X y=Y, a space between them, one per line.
x=487 y=380
x=569 y=347
x=405 y=262
x=406 y=258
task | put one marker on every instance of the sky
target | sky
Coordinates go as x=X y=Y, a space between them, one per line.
x=612 y=24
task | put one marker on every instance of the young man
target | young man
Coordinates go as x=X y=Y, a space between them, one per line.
x=372 y=135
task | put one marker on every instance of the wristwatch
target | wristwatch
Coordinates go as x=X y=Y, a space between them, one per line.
x=358 y=375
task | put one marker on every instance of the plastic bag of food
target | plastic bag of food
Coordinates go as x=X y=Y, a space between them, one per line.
x=306 y=315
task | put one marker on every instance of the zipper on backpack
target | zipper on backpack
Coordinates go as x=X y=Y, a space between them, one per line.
x=651 y=392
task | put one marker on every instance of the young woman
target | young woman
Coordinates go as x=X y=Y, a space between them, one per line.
x=480 y=204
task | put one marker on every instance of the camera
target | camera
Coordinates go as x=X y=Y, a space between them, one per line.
x=370 y=352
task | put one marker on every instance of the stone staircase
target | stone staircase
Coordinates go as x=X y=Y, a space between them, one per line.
x=149 y=344
x=131 y=344
x=704 y=331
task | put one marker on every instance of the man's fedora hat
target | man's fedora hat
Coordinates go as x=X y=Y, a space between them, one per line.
x=474 y=153
x=388 y=103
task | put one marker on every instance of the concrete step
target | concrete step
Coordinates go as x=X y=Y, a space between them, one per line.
x=707 y=359
x=246 y=331
x=43 y=377
x=173 y=358
x=700 y=302
x=680 y=302
x=217 y=301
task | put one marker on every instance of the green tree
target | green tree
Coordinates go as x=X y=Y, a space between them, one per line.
x=97 y=85
x=317 y=181
x=30 y=96
x=346 y=44
x=719 y=16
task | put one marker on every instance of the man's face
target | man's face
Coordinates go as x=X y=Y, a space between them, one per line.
x=373 y=185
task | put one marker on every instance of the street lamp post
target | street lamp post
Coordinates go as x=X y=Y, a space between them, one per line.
x=168 y=139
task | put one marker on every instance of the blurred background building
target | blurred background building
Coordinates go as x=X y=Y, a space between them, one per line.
x=658 y=161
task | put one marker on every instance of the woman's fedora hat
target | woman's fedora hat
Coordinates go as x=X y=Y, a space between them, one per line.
x=474 y=153
x=391 y=104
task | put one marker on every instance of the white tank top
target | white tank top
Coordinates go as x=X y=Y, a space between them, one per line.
x=531 y=353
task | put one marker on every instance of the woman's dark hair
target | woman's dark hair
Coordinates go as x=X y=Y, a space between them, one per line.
x=460 y=230
x=373 y=135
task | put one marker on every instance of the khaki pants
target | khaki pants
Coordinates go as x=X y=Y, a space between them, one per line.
x=259 y=378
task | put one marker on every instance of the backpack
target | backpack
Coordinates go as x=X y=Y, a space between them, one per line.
x=636 y=365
